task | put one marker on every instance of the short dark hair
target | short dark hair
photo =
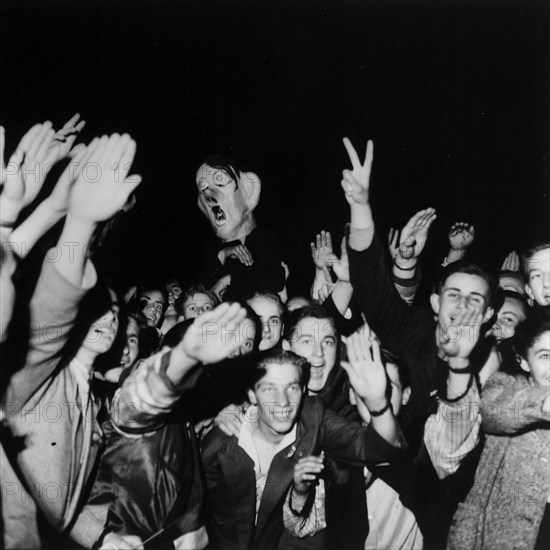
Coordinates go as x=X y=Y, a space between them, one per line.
x=157 y=287
x=529 y=330
x=294 y=317
x=469 y=269
x=520 y=298
x=529 y=253
x=282 y=357
x=190 y=292
x=221 y=162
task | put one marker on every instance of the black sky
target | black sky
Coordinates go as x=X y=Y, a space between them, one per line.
x=454 y=94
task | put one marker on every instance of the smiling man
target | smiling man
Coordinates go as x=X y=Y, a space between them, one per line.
x=245 y=257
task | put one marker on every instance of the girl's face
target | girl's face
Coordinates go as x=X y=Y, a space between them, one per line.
x=103 y=331
x=538 y=360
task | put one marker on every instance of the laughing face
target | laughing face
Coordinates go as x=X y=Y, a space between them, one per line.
x=152 y=304
x=102 y=333
x=461 y=291
x=223 y=202
x=315 y=340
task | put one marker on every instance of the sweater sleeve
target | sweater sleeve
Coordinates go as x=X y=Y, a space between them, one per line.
x=510 y=404
x=53 y=310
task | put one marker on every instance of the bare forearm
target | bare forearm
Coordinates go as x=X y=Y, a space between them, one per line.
x=37 y=224
x=73 y=245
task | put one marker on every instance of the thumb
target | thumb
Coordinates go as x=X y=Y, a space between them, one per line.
x=131 y=182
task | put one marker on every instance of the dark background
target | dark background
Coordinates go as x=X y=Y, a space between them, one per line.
x=454 y=94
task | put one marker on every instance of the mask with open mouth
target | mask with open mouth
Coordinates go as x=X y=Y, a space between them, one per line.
x=227 y=197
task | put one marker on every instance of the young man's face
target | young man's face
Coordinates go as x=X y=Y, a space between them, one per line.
x=173 y=291
x=460 y=291
x=315 y=340
x=508 y=318
x=131 y=349
x=269 y=313
x=538 y=359
x=222 y=202
x=197 y=304
x=152 y=304
x=538 y=279
x=278 y=395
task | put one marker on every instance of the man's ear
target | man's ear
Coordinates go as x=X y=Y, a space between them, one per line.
x=489 y=312
x=250 y=185
x=286 y=345
x=251 y=397
x=406 y=396
x=523 y=363
x=530 y=294
x=434 y=301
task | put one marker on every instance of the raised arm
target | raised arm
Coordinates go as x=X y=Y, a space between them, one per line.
x=461 y=237
x=370 y=276
x=151 y=391
x=67 y=274
x=369 y=380
x=453 y=432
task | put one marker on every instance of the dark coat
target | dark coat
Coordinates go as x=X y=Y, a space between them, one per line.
x=231 y=483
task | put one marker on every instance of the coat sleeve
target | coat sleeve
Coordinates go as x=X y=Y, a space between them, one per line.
x=147 y=397
x=510 y=404
x=374 y=289
x=354 y=443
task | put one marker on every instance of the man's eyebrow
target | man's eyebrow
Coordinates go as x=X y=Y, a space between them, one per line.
x=543 y=350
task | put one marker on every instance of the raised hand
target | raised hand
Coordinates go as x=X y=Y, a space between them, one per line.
x=21 y=188
x=340 y=266
x=365 y=369
x=459 y=339
x=63 y=140
x=393 y=242
x=414 y=234
x=321 y=249
x=208 y=339
x=355 y=182
x=511 y=262
x=101 y=183
x=221 y=285
x=38 y=151
x=238 y=252
x=306 y=472
x=461 y=236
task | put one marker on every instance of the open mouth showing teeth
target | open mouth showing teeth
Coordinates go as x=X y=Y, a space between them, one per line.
x=219 y=215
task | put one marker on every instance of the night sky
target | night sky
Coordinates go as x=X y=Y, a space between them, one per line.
x=455 y=96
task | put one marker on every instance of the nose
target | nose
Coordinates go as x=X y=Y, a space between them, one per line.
x=266 y=330
x=318 y=350
x=282 y=398
x=126 y=350
x=210 y=196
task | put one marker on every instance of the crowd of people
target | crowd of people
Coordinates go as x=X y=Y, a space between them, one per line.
x=230 y=414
